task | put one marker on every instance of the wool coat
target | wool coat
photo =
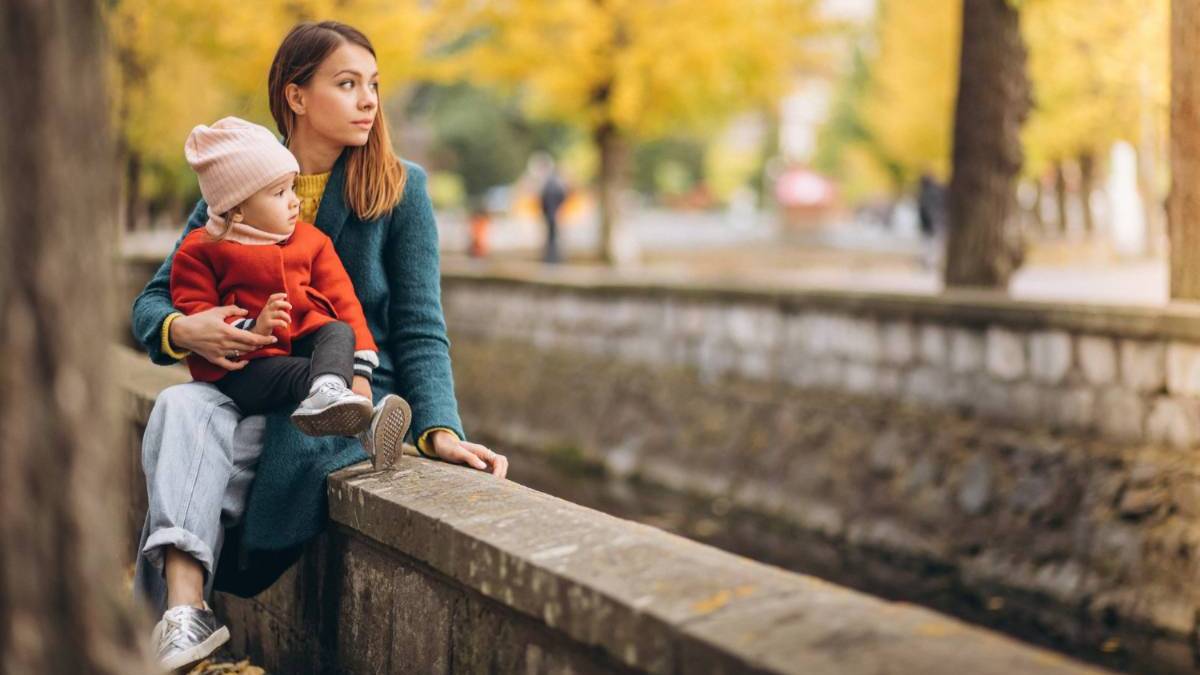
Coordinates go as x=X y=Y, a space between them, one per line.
x=393 y=263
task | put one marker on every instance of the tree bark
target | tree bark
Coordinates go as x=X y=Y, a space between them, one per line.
x=1183 y=203
x=984 y=246
x=63 y=607
x=611 y=180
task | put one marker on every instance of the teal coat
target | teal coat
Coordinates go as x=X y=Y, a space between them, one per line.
x=393 y=264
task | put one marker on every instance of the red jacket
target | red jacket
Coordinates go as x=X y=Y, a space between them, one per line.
x=207 y=274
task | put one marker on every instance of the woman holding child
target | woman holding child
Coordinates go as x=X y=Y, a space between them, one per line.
x=354 y=324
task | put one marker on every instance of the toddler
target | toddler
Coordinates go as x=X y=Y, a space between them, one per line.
x=255 y=254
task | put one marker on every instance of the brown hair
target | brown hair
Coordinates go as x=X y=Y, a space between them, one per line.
x=375 y=177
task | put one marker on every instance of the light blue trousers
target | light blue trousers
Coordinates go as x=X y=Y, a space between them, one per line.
x=199 y=456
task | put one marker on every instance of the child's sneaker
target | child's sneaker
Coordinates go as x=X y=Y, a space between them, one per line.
x=333 y=410
x=384 y=437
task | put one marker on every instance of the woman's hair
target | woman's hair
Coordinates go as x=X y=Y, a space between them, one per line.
x=374 y=175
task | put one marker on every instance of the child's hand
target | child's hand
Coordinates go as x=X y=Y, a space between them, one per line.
x=274 y=315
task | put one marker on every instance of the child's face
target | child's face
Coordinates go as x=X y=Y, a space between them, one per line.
x=274 y=208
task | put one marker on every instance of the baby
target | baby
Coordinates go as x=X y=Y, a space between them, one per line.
x=255 y=254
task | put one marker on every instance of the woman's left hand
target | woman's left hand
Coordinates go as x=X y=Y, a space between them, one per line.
x=450 y=449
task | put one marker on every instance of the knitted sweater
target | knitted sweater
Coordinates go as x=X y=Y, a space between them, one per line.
x=394 y=266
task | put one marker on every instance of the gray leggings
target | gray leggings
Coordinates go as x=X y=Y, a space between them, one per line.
x=199 y=456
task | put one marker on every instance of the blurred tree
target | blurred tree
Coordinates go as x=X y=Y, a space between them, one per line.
x=658 y=158
x=623 y=69
x=993 y=101
x=908 y=108
x=1099 y=73
x=62 y=471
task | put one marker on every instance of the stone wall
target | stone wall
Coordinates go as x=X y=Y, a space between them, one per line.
x=433 y=568
x=1027 y=466
x=1129 y=374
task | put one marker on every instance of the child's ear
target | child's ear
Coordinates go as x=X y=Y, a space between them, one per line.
x=236 y=214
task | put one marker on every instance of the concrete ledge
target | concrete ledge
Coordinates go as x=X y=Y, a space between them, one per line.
x=968 y=308
x=435 y=568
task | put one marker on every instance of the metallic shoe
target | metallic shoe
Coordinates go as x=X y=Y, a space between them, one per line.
x=186 y=634
x=383 y=439
x=333 y=410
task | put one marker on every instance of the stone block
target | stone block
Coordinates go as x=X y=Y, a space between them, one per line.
x=1183 y=368
x=1049 y=356
x=1174 y=421
x=1072 y=408
x=899 y=342
x=933 y=344
x=1005 y=353
x=966 y=350
x=1143 y=365
x=859 y=339
x=1097 y=359
x=1121 y=414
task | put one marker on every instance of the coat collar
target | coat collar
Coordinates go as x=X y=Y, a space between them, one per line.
x=333 y=212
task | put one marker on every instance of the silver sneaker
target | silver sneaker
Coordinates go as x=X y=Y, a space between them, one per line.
x=333 y=410
x=383 y=439
x=186 y=634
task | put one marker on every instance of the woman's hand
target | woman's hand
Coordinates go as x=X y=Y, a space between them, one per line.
x=206 y=333
x=449 y=448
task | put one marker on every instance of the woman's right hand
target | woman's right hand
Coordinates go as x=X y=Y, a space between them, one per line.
x=206 y=333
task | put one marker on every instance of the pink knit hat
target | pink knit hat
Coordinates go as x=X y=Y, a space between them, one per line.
x=234 y=159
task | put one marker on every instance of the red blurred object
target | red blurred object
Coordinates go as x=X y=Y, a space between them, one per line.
x=479 y=228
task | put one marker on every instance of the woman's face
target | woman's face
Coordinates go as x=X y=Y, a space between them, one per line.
x=341 y=99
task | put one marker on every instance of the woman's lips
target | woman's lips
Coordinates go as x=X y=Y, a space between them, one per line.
x=363 y=124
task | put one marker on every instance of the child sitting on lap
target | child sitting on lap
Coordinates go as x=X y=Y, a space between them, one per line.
x=255 y=254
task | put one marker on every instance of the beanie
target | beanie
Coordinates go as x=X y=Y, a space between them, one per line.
x=234 y=159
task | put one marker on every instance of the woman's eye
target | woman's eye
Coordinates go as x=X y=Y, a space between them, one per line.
x=349 y=82
x=375 y=86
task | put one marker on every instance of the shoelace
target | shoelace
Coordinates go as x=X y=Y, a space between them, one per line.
x=331 y=389
x=175 y=632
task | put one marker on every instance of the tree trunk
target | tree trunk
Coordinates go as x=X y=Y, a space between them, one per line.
x=1039 y=196
x=1183 y=203
x=63 y=604
x=984 y=248
x=611 y=180
x=1087 y=182
x=1060 y=199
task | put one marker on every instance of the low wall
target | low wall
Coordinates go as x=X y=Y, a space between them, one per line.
x=1027 y=465
x=434 y=568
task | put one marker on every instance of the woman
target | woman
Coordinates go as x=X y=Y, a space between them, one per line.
x=198 y=455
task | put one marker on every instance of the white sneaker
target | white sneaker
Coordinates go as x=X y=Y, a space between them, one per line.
x=384 y=437
x=187 y=634
x=333 y=410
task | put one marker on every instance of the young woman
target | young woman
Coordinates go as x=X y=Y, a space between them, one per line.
x=199 y=454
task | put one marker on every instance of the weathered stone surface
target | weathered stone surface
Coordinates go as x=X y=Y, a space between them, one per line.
x=967 y=350
x=1143 y=365
x=899 y=342
x=1174 y=420
x=1183 y=368
x=934 y=344
x=1121 y=414
x=1097 y=359
x=1005 y=353
x=1049 y=356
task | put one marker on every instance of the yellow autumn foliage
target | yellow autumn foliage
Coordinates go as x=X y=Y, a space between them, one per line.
x=645 y=67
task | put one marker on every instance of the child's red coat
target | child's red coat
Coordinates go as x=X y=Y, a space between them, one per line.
x=209 y=273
